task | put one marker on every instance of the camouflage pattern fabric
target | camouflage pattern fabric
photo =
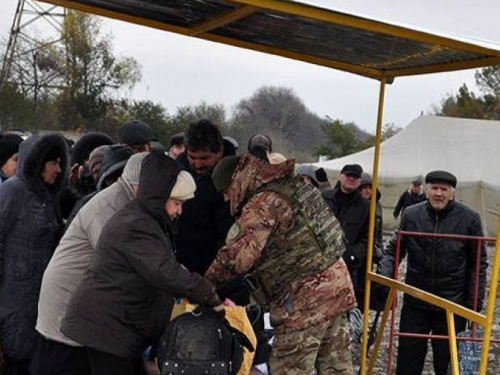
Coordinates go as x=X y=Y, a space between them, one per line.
x=265 y=218
x=313 y=244
x=324 y=347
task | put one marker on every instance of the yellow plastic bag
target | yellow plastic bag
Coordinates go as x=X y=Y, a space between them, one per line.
x=237 y=317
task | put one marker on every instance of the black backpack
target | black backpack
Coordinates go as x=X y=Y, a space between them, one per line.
x=201 y=342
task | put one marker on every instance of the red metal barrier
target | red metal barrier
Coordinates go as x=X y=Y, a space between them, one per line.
x=392 y=332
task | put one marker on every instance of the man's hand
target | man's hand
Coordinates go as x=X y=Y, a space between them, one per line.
x=75 y=174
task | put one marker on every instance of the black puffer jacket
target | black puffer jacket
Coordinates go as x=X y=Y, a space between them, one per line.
x=30 y=229
x=440 y=266
x=125 y=300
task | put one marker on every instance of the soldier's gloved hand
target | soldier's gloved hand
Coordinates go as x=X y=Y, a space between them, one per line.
x=380 y=294
x=205 y=294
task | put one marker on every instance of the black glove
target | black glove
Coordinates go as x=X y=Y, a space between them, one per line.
x=379 y=296
x=205 y=294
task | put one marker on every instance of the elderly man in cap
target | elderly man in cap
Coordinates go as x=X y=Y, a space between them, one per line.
x=444 y=267
x=353 y=212
x=413 y=195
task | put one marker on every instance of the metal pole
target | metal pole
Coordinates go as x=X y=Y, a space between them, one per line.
x=373 y=209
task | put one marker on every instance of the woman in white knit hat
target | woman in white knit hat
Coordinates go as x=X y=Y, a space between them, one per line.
x=125 y=299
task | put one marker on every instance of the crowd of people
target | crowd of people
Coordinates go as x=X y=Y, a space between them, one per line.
x=98 y=239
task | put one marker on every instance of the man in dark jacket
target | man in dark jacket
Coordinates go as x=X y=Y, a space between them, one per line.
x=444 y=267
x=124 y=302
x=206 y=218
x=30 y=229
x=415 y=194
x=353 y=212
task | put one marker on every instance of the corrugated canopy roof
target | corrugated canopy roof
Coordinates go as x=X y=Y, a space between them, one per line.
x=301 y=32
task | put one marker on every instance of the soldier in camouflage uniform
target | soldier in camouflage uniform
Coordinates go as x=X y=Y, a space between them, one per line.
x=285 y=230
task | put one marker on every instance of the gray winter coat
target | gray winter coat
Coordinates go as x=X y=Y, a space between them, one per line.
x=30 y=228
x=72 y=257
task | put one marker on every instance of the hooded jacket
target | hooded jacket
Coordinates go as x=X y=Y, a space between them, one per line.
x=124 y=302
x=444 y=267
x=263 y=217
x=30 y=228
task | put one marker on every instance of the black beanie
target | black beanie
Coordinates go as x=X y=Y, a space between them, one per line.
x=136 y=132
x=9 y=145
x=86 y=144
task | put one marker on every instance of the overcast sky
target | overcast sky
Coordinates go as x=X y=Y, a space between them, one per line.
x=178 y=70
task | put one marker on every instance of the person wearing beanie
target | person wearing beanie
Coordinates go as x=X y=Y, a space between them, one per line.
x=451 y=269
x=307 y=174
x=366 y=190
x=66 y=269
x=128 y=294
x=137 y=135
x=30 y=228
x=112 y=165
x=177 y=145
x=95 y=160
x=413 y=195
x=9 y=148
x=286 y=234
x=80 y=181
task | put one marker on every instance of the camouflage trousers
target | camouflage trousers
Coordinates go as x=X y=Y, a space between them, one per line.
x=324 y=347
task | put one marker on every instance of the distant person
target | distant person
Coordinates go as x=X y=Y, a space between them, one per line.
x=307 y=174
x=9 y=154
x=353 y=212
x=232 y=144
x=30 y=229
x=113 y=162
x=137 y=135
x=366 y=189
x=177 y=145
x=80 y=181
x=261 y=140
x=441 y=266
x=413 y=195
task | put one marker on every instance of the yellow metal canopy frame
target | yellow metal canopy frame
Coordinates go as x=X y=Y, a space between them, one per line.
x=332 y=39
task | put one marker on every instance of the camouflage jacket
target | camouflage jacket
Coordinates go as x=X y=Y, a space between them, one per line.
x=266 y=216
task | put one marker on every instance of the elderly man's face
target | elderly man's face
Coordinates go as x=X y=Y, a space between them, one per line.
x=349 y=182
x=439 y=195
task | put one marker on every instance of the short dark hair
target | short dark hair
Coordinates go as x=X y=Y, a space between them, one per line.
x=204 y=134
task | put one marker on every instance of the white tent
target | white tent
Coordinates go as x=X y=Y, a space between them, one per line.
x=467 y=148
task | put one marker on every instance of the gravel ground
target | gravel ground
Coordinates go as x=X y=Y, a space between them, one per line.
x=381 y=365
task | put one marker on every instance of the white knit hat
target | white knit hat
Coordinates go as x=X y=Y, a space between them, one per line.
x=132 y=169
x=184 y=187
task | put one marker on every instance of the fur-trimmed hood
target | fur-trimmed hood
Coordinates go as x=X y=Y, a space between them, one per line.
x=32 y=153
x=251 y=174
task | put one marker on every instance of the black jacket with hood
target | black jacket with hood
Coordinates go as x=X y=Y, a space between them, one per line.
x=125 y=300
x=444 y=267
x=30 y=229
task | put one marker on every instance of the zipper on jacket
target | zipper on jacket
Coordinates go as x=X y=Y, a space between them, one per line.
x=434 y=240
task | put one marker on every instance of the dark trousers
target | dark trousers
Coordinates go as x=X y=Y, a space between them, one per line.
x=412 y=351
x=108 y=364
x=54 y=358
x=16 y=366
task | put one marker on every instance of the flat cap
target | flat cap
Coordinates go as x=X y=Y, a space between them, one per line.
x=352 y=169
x=416 y=182
x=441 y=176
